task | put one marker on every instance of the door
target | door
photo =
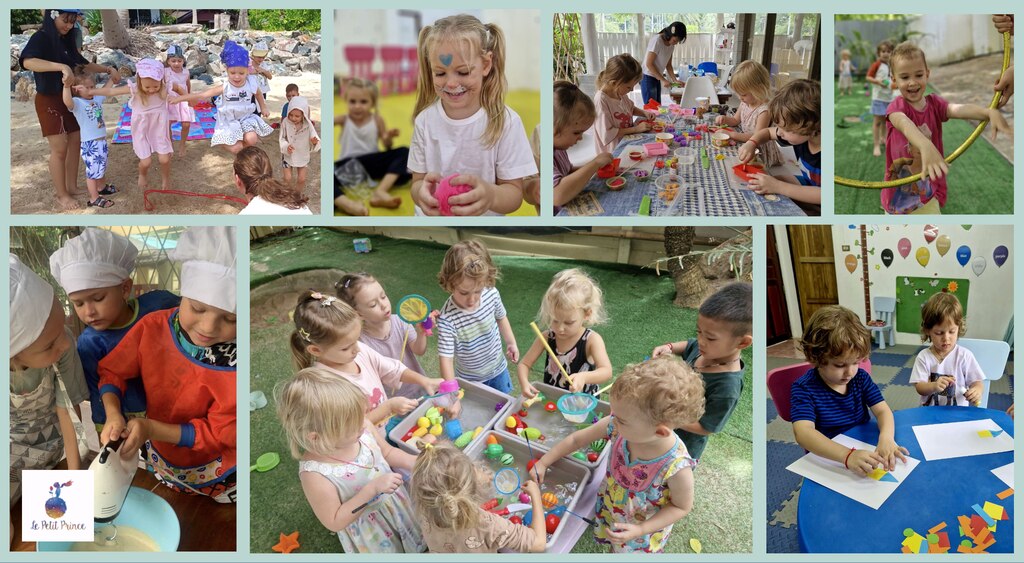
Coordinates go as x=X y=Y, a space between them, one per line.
x=778 y=328
x=814 y=267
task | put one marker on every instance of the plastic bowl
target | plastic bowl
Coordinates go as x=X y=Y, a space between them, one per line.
x=576 y=407
x=144 y=511
x=616 y=183
x=636 y=155
x=686 y=155
x=664 y=138
x=664 y=180
x=720 y=139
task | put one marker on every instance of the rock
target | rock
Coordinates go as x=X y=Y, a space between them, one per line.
x=20 y=76
x=289 y=45
x=216 y=68
x=215 y=50
x=117 y=59
x=279 y=55
x=310 y=65
x=304 y=50
x=205 y=78
x=195 y=59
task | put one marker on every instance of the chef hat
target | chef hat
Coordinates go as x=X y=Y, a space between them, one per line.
x=96 y=258
x=208 y=265
x=31 y=301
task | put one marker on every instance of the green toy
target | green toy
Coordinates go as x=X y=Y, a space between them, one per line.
x=464 y=440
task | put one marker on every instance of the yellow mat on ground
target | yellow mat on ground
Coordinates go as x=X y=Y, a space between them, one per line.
x=397 y=112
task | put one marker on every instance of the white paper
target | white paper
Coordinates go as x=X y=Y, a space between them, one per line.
x=961 y=439
x=1005 y=474
x=833 y=475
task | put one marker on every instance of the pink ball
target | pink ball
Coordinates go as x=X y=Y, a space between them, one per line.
x=446 y=190
x=524 y=498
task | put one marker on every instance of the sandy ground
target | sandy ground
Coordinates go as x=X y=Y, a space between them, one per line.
x=203 y=169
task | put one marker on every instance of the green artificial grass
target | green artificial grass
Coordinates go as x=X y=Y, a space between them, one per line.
x=639 y=305
x=980 y=181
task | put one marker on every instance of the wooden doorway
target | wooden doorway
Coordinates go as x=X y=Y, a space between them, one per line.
x=814 y=267
x=777 y=322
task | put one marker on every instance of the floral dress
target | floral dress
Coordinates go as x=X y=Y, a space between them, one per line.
x=748 y=124
x=388 y=524
x=635 y=490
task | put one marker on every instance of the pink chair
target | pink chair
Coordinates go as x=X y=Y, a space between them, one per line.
x=360 y=61
x=391 y=79
x=780 y=382
x=412 y=76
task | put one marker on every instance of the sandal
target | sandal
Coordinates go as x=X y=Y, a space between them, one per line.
x=101 y=202
x=108 y=189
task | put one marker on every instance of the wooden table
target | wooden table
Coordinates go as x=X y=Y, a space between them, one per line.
x=206 y=525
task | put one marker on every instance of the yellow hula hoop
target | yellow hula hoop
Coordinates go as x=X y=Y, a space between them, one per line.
x=954 y=155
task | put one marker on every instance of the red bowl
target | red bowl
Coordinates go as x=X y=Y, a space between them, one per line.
x=636 y=155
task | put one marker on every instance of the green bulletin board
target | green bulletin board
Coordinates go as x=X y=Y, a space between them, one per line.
x=911 y=294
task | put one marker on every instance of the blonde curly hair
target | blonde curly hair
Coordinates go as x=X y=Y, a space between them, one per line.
x=467 y=259
x=666 y=389
x=448 y=488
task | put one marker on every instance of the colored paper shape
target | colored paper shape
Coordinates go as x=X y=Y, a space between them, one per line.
x=989 y=433
x=930 y=232
x=903 y=246
x=851 y=263
x=936 y=528
x=997 y=512
x=1005 y=474
x=923 y=256
x=963 y=255
x=978 y=265
x=833 y=475
x=989 y=520
x=959 y=439
x=942 y=244
x=1000 y=254
x=887 y=257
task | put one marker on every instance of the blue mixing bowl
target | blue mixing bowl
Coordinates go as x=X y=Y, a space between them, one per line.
x=144 y=511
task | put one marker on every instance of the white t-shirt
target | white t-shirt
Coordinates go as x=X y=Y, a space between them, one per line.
x=662 y=53
x=960 y=364
x=455 y=146
x=378 y=376
x=89 y=114
x=260 y=206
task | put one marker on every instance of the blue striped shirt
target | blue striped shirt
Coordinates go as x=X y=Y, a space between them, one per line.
x=832 y=413
x=472 y=337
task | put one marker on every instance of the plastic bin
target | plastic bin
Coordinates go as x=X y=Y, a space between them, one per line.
x=564 y=472
x=478 y=410
x=553 y=425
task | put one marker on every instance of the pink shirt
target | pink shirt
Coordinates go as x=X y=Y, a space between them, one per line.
x=613 y=115
x=376 y=375
x=929 y=121
x=391 y=347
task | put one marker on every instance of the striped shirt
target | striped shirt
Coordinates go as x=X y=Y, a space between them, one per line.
x=472 y=337
x=833 y=413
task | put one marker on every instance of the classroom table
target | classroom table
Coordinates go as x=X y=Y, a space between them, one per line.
x=714 y=191
x=206 y=525
x=936 y=491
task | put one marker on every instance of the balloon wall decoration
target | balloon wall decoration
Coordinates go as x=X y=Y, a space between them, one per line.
x=930 y=232
x=904 y=247
x=887 y=257
x=942 y=244
x=963 y=255
x=923 y=256
x=1000 y=254
x=978 y=265
x=851 y=263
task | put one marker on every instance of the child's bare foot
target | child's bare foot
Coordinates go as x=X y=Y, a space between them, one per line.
x=384 y=199
x=350 y=207
x=877 y=151
x=68 y=203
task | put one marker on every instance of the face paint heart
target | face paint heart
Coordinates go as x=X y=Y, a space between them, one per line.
x=446 y=60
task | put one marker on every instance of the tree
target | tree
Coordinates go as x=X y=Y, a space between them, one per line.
x=195 y=17
x=685 y=270
x=115 y=28
x=243 y=19
x=698 y=273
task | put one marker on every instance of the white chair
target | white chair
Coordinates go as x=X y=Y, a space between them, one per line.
x=883 y=310
x=991 y=356
x=698 y=87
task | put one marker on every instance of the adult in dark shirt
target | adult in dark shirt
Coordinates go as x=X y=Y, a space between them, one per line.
x=50 y=54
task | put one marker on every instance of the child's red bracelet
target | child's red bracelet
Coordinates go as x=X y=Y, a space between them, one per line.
x=846 y=462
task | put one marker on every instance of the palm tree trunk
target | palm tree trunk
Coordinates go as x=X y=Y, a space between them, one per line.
x=115 y=28
x=686 y=272
x=243 y=19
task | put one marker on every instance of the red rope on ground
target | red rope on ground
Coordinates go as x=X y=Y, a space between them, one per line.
x=149 y=205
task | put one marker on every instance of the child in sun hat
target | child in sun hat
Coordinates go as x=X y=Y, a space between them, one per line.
x=178 y=75
x=95 y=270
x=186 y=358
x=259 y=68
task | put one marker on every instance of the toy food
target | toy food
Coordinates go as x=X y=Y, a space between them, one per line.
x=616 y=183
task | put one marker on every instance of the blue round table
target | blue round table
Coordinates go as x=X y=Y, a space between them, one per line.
x=936 y=491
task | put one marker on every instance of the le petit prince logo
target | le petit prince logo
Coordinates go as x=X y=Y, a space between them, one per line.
x=55 y=508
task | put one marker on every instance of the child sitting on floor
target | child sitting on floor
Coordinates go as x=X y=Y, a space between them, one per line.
x=724 y=329
x=945 y=373
x=835 y=395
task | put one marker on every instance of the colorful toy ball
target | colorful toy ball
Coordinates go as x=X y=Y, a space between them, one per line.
x=516 y=520
x=446 y=190
x=549 y=500
x=492 y=439
x=551 y=523
x=523 y=412
x=453 y=429
x=599 y=444
x=592 y=457
x=524 y=498
x=507 y=459
x=510 y=422
x=494 y=451
x=550 y=406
